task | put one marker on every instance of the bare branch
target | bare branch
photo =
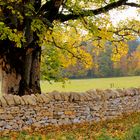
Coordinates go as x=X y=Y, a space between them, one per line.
x=132 y=4
x=76 y=56
x=85 y=13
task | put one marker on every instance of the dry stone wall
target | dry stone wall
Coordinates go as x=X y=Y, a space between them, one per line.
x=18 y=113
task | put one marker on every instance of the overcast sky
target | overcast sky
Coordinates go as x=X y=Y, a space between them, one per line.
x=130 y=13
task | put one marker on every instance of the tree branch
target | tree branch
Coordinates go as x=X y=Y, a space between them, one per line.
x=50 y=8
x=85 y=13
x=132 y=4
x=62 y=48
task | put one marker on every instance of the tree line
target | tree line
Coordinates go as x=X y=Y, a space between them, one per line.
x=103 y=65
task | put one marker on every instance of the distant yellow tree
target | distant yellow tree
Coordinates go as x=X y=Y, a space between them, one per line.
x=135 y=61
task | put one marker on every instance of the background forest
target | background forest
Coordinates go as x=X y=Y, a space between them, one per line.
x=103 y=63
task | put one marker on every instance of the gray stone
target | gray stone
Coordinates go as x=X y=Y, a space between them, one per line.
x=76 y=120
x=2 y=111
x=15 y=110
x=3 y=101
x=15 y=126
x=60 y=113
x=8 y=127
x=8 y=117
x=57 y=96
x=2 y=123
x=22 y=101
x=65 y=96
x=17 y=100
x=39 y=98
x=53 y=121
x=9 y=99
x=37 y=125
x=24 y=98
x=31 y=100
x=1 y=129
x=45 y=98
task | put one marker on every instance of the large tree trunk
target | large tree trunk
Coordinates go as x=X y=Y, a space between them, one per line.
x=10 y=82
x=10 y=76
x=20 y=70
x=35 y=71
x=30 y=81
x=25 y=75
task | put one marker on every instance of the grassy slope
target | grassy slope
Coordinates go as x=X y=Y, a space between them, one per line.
x=87 y=84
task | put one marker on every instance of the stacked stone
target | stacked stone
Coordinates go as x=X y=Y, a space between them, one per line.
x=55 y=108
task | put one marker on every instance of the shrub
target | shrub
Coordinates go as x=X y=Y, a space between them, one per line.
x=133 y=134
x=104 y=136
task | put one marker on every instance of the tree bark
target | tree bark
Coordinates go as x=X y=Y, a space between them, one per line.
x=35 y=71
x=25 y=75
x=20 y=70
x=30 y=81
x=10 y=82
x=9 y=77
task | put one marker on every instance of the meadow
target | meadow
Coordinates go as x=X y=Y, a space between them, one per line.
x=88 y=84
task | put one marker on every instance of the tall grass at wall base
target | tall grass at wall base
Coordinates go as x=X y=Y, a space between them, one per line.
x=133 y=133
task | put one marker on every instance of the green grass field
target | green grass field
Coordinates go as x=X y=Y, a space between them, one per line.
x=87 y=84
